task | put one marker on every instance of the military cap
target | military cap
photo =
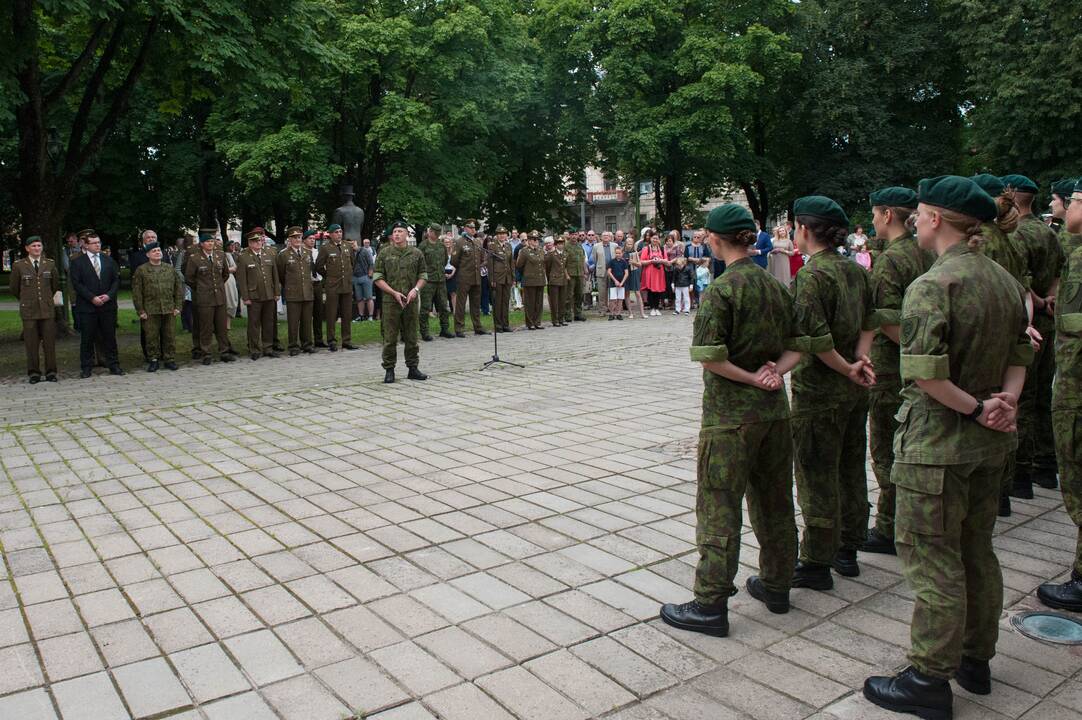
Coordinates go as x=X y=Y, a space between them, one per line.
x=560 y=239
x=333 y=227
x=729 y=219
x=206 y=234
x=255 y=233
x=534 y=235
x=84 y=234
x=294 y=230
x=819 y=206
x=1021 y=183
x=962 y=195
x=435 y=228
x=309 y=233
x=151 y=246
x=397 y=224
x=1078 y=185
x=1064 y=188
x=500 y=229
x=31 y=240
x=989 y=183
x=471 y=223
x=893 y=197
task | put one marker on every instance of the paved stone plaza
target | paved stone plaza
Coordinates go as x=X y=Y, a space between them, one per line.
x=293 y=539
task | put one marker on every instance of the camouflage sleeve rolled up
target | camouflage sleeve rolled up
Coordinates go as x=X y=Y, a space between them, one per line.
x=870 y=321
x=1069 y=302
x=1021 y=354
x=811 y=319
x=888 y=291
x=378 y=271
x=925 y=329
x=712 y=326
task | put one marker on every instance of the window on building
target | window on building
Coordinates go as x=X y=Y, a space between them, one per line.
x=646 y=187
x=610 y=223
x=610 y=183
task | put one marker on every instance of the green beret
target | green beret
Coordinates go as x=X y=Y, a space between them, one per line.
x=1064 y=188
x=821 y=207
x=333 y=227
x=31 y=240
x=959 y=194
x=1078 y=186
x=989 y=183
x=206 y=234
x=729 y=219
x=894 y=197
x=309 y=233
x=1021 y=183
x=151 y=246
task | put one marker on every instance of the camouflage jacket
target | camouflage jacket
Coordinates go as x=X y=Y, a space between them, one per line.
x=1006 y=252
x=1044 y=255
x=435 y=259
x=156 y=289
x=1067 y=393
x=576 y=258
x=965 y=321
x=1069 y=242
x=399 y=267
x=897 y=267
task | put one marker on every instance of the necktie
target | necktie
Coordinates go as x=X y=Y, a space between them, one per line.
x=35 y=266
x=96 y=263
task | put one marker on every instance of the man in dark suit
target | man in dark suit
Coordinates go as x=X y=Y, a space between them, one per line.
x=96 y=280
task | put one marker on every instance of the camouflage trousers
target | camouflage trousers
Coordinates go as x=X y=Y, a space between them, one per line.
x=573 y=298
x=831 y=480
x=1068 y=430
x=399 y=322
x=883 y=404
x=944 y=522
x=1036 y=446
x=755 y=460
x=433 y=295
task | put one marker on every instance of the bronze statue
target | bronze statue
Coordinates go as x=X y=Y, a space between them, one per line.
x=349 y=216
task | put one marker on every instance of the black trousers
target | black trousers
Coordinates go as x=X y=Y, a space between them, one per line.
x=97 y=328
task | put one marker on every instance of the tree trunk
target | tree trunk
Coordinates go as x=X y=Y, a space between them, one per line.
x=671 y=208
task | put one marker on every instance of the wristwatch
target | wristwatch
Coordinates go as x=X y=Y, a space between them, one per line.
x=976 y=411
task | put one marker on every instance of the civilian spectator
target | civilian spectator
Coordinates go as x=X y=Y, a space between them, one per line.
x=653 y=273
x=232 y=292
x=683 y=279
x=761 y=252
x=779 y=261
x=634 y=279
x=617 y=270
x=449 y=271
x=362 y=283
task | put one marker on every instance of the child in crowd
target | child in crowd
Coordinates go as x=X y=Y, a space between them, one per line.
x=682 y=280
x=702 y=279
x=618 y=270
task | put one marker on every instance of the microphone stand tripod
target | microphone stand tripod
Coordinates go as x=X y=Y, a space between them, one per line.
x=495 y=331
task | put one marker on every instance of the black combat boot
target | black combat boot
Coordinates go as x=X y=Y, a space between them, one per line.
x=845 y=562
x=1022 y=487
x=1004 y=505
x=877 y=542
x=460 y=334
x=913 y=692
x=1046 y=478
x=415 y=374
x=152 y=366
x=426 y=337
x=1063 y=596
x=170 y=365
x=776 y=602
x=388 y=377
x=812 y=576
x=445 y=333
x=694 y=616
x=975 y=676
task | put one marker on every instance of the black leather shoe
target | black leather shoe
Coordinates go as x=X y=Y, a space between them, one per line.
x=277 y=347
x=1063 y=596
x=580 y=319
x=50 y=377
x=507 y=329
x=460 y=335
x=845 y=562
x=426 y=337
x=877 y=542
x=332 y=347
x=1004 y=506
x=446 y=334
x=481 y=332
x=116 y=370
x=706 y=619
x=308 y=351
x=1046 y=478
x=228 y=357
x=152 y=366
x=84 y=373
x=812 y=576
x=170 y=366
x=1022 y=487
x=975 y=676
x=35 y=379
x=913 y=692
x=415 y=374
x=255 y=356
x=349 y=346
x=207 y=360
x=388 y=377
x=321 y=344
x=294 y=352
x=274 y=354
x=776 y=602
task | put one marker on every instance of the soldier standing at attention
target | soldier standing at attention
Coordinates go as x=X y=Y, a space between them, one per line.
x=556 y=272
x=309 y=242
x=434 y=293
x=466 y=257
x=900 y=263
x=295 y=274
x=745 y=338
x=335 y=263
x=1067 y=410
x=1061 y=198
x=964 y=350
x=532 y=263
x=157 y=294
x=1035 y=460
x=33 y=282
x=400 y=274
x=576 y=267
x=205 y=273
x=835 y=308
x=501 y=278
x=257 y=280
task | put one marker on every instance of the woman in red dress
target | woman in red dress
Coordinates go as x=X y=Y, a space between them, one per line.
x=653 y=273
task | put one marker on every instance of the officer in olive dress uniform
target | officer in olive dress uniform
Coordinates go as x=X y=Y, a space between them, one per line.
x=466 y=257
x=576 y=265
x=1067 y=409
x=205 y=273
x=33 y=282
x=1035 y=459
x=158 y=295
x=531 y=262
x=964 y=350
x=257 y=281
x=746 y=338
x=308 y=239
x=335 y=263
x=556 y=273
x=400 y=273
x=501 y=278
x=900 y=262
x=295 y=273
x=434 y=293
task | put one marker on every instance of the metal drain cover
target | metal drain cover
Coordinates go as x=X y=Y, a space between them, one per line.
x=1049 y=627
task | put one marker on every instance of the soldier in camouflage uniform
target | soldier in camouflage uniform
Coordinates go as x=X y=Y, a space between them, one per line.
x=501 y=277
x=745 y=337
x=157 y=293
x=1035 y=460
x=1069 y=241
x=835 y=308
x=400 y=273
x=899 y=264
x=964 y=347
x=532 y=263
x=434 y=293
x=1067 y=410
x=557 y=276
x=576 y=267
